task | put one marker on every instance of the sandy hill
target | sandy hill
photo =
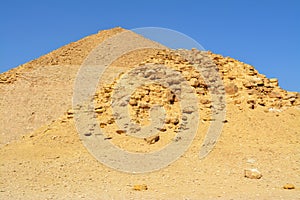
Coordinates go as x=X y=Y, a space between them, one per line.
x=42 y=155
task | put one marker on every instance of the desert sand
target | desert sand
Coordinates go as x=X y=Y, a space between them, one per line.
x=42 y=156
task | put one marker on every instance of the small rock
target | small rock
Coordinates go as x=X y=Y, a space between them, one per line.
x=174 y=121
x=194 y=82
x=237 y=101
x=120 y=131
x=144 y=105
x=70 y=112
x=110 y=121
x=102 y=125
x=252 y=174
x=273 y=82
x=204 y=101
x=152 y=139
x=87 y=134
x=163 y=129
x=99 y=110
x=189 y=110
x=275 y=95
x=132 y=102
x=259 y=82
x=289 y=186
x=231 y=89
x=140 y=187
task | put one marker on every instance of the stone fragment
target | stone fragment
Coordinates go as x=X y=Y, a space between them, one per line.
x=144 y=105
x=248 y=85
x=140 y=187
x=70 y=114
x=237 y=101
x=289 y=186
x=102 y=125
x=251 y=101
x=275 y=95
x=152 y=139
x=252 y=173
x=189 y=110
x=174 y=120
x=204 y=101
x=100 y=110
x=163 y=129
x=274 y=82
x=231 y=89
x=194 y=82
x=120 y=132
x=132 y=102
x=111 y=121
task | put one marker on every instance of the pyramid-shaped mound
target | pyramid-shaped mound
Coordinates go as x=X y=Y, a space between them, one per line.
x=42 y=154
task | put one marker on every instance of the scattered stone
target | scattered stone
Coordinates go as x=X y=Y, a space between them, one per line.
x=132 y=102
x=163 y=129
x=237 y=102
x=144 y=106
x=194 y=82
x=274 y=82
x=204 y=101
x=152 y=139
x=102 y=125
x=289 y=186
x=140 y=187
x=120 y=132
x=70 y=114
x=252 y=103
x=259 y=82
x=174 y=120
x=231 y=89
x=275 y=95
x=100 y=110
x=189 y=110
x=110 y=121
x=252 y=174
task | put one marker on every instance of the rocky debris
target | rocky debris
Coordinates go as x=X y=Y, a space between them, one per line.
x=189 y=110
x=70 y=114
x=252 y=174
x=273 y=82
x=252 y=85
x=102 y=125
x=87 y=134
x=100 y=110
x=231 y=89
x=242 y=85
x=140 y=187
x=120 y=132
x=289 y=186
x=153 y=139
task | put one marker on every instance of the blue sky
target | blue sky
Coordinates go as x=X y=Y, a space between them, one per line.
x=261 y=33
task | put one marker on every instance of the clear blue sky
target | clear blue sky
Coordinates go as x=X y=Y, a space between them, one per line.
x=263 y=33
